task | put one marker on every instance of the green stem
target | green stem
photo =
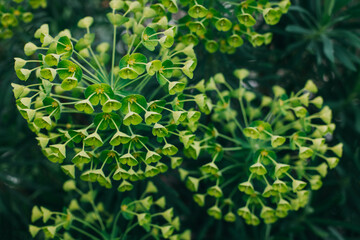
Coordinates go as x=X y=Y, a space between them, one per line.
x=95 y=209
x=84 y=233
x=113 y=56
x=114 y=224
x=84 y=68
x=98 y=63
x=242 y=106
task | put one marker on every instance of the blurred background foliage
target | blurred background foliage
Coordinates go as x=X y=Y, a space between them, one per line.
x=316 y=39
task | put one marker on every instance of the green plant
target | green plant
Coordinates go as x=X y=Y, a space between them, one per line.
x=90 y=137
x=270 y=155
x=87 y=217
x=13 y=13
x=119 y=111
x=327 y=33
x=223 y=28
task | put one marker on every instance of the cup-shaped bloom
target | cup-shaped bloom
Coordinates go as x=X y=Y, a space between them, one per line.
x=322 y=169
x=315 y=182
x=111 y=105
x=199 y=199
x=230 y=217
x=167 y=231
x=93 y=139
x=197 y=11
x=215 y=191
x=125 y=186
x=119 y=138
x=277 y=141
x=305 y=152
x=267 y=212
x=280 y=186
x=246 y=19
x=151 y=171
x=152 y=117
x=244 y=212
x=192 y=184
x=143 y=219
x=246 y=187
x=332 y=162
x=298 y=185
x=269 y=191
x=280 y=169
x=169 y=149
x=152 y=157
x=81 y=157
x=251 y=132
x=215 y=212
x=132 y=118
x=258 y=169
x=159 y=130
x=337 y=149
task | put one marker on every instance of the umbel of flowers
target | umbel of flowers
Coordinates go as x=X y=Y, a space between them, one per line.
x=260 y=156
x=89 y=218
x=13 y=14
x=223 y=25
x=86 y=103
x=123 y=111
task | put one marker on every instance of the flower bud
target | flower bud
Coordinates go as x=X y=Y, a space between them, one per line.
x=161 y=202
x=167 y=231
x=143 y=218
x=322 y=169
x=244 y=212
x=258 y=169
x=116 y=4
x=215 y=191
x=267 y=212
x=246 y=187
x=277 y=141
x=85 y=22
x=30 y=49
x=36 y=214
x=310 y=86
x=269 y=191
x=125 y=186
x=303 y=197
x=192 y=184
x=215 y=212
x=332 y=162
x=251 y=132
x=300 y=112
x=337 y=149
x=241 y=73
x=74 y=205
x=278 y=91
x=253 y=220
x=280 y=169
x=298 y=185
x=50 y=231
x=34 y=230
x=305 y=152
x=318 y=102
x=315 y=182
x=280 y=186
x=23 y=74
x=69 y=185
x=326 y=114
x=46 y=214
x=230 y=217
